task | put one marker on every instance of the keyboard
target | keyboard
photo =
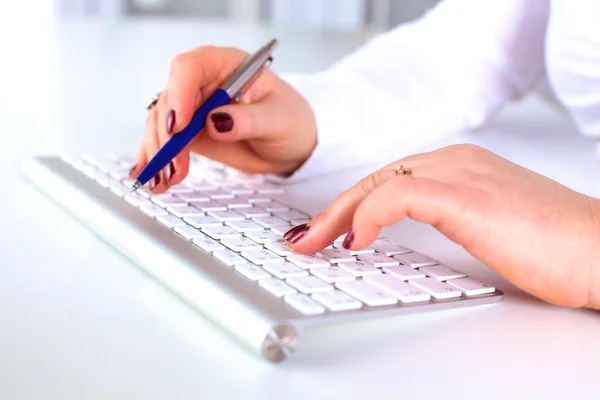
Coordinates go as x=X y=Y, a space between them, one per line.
x=216 y=241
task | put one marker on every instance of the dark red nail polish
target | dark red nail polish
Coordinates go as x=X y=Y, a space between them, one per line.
x=170 y=121
x=222 y=121
x=347 y=243
x=293 y=231
x=154 y=181
x=170 y=171
x=299 y=235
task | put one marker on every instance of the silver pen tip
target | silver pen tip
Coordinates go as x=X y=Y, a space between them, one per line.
x=136 y=185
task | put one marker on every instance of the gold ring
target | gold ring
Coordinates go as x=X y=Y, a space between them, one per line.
x=154 y=101
x=400 y=170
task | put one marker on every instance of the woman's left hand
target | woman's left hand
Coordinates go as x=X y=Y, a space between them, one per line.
x=539 y=235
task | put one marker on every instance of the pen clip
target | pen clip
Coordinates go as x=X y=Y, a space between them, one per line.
x=238 y=96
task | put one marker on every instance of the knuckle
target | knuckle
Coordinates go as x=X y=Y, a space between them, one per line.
x=180 y=60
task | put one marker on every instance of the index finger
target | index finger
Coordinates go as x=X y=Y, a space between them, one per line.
x=194 y=75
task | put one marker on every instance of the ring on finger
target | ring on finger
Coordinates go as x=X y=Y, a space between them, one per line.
x=153 y=101
x=401 y=170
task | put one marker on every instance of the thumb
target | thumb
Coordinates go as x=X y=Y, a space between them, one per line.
x=261 y=120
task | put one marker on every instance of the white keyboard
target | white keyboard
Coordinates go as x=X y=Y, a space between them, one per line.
x=224 y=231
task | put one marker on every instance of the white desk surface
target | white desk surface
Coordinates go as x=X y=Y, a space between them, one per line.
x=78 y=321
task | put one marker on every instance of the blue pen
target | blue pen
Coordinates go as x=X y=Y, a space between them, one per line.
x=234 y=89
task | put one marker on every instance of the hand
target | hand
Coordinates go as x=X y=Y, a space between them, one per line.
x=272 y=130
x=536 y=233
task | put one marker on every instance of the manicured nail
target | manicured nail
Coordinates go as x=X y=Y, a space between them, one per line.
x=222 y=121
x=154 y=181
x=347 y=243
x=295 y=234
x=170 y=171
x=132 y=169
x=293 y=231
x=170 y=121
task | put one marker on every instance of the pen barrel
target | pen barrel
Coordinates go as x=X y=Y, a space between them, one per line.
x=180 y=140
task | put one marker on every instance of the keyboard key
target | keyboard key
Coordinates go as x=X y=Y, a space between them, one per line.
x=307 y=261
x=153 y=211
x=442 y=272
x=238 y=244
x=299 y=221
x=394 y=286
x=332 y=274
x=220 y=232
x=336 y=255
x=309 y=284
x=404 y=272
x=238 y=188
x=169 y=220
x=263 y=237
x=389 y=247
x=359 y=268
x=290 y=215
x=437 y=289
x=229 y=257
x=252 y=272
x=340 y=239
x=471 y=287
x=368 y=250
x=188 y=232
x=280 y=229
x=276 y=287
x=119 y=189
x=273 y=206
x=285 y=270
x=235 y=203
x=262 y=257
x=378 y=260
x=168 y=200
x=209 y=206
x=367 y=293
x=221 y=194
x=280 y=248
x=415 y=260
x=337 y=300
x=254 y=212
x=201 y=185
x=267 y=188
x=227 y=215
x=202 y=221
x=137 y=200
x=181 y=189
x=244 y=226
x=184 y=211
x=304 y=304
x=206 y=243
x=194 y=196
x=256 y=198
x=268 y=222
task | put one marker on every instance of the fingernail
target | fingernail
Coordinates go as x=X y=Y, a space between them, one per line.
x=295 y=234
x=169 y=172
x=170 y=121
x=222 y=121
x=132 y=169
x=347 y=243
x=154 y=181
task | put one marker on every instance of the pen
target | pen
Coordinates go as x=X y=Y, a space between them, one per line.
x=233 y=89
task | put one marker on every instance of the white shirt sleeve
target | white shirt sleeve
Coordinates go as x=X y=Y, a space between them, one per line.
x=444 y=73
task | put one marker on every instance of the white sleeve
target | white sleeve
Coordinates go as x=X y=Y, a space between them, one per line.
x=444 y=73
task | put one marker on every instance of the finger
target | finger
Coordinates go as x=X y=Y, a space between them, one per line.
x=235 y=122
x=336 y=220
x=423 y=200
x=194 y=74
x=152 y=145
x=178 y=168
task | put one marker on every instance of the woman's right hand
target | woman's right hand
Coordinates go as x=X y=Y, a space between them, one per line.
x=271 y=130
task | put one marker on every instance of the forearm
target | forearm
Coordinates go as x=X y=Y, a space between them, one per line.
x=422 y=82
x=594 y=257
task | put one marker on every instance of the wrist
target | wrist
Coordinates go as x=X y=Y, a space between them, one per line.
x=594 y=260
